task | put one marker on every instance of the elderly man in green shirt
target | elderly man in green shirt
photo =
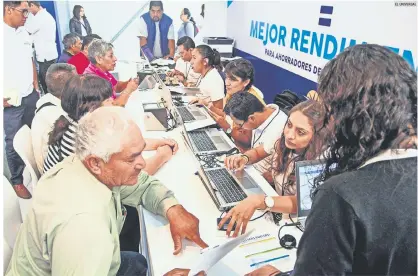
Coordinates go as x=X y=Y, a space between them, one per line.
x=77 y=212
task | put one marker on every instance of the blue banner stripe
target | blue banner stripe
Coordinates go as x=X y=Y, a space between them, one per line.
x=327 y=9
x=229 y=2
x=324 y=22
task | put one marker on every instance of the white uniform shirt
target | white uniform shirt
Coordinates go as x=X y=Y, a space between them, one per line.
x=267 y=134
x=143 y=31
x=186 y=68
x=42 y=28
x=18 y=64
x=212 y=85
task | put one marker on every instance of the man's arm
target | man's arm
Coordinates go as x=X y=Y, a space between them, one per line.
x=143 y=32
x=83 y=246
x=329 y=240
x=171 y=47
x=148 y=192
x=171 y=42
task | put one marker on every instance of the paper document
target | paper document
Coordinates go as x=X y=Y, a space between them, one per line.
x=14 y=96
x=211 y=255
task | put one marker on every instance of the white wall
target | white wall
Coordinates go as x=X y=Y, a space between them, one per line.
x=108 y=17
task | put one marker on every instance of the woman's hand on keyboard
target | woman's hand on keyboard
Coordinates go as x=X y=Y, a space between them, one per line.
x=242 y=213
x=235 y=162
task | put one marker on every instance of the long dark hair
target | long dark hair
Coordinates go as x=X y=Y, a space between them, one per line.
x=81 y=94
x=314 y=111
x=241 y=68
x=371 y=97
x=213 y=56
x=76 y=12
x=187 y=12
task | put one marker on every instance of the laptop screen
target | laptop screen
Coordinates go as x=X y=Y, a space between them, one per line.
x=306 y=171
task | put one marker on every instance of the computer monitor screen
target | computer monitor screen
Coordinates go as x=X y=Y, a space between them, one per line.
x=306 y=172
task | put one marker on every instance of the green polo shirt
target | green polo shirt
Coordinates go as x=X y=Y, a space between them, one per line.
x=74 y=223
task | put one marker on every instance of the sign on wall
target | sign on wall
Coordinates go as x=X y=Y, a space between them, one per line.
x=301 y=37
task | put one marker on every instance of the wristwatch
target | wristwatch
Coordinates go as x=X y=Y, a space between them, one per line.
x=229 y=130
x=269 y=201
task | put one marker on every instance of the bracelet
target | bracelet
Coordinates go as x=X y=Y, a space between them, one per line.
x=124 y=92
x=246 y=157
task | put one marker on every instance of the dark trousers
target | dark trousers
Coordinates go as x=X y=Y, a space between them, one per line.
x=132 y=264
x=13 y=119
x=43 y=68
x=130 y=235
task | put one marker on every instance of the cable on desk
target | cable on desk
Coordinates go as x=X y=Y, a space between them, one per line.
x=259 y=216
x=298 y=225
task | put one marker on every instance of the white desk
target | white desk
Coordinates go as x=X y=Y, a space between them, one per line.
x=179 y=176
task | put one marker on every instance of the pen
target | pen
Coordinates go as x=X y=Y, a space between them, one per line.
x=270 y=260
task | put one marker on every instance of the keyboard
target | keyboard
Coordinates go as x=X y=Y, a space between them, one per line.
x=185 y=114
x=226 y=185
x=202 y=141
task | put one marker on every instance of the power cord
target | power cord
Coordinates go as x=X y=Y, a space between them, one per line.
x=298 y=224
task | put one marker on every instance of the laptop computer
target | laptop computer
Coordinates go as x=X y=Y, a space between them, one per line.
x=226 y=188
x=207 y=140
x=306 y=172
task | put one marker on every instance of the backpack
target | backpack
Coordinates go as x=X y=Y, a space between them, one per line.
x=287 y=100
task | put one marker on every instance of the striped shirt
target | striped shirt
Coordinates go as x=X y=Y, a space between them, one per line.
x=61 y=149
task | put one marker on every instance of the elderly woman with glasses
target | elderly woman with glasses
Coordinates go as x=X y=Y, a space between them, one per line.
x=102 y=61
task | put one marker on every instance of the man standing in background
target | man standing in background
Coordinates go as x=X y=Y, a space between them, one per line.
x=156 y=32
x=42 y=28
x=19 y=87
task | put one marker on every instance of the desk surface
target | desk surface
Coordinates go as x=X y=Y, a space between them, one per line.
x=179 y=176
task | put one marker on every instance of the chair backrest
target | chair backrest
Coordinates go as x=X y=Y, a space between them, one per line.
x=12 y=220
x=22 y=143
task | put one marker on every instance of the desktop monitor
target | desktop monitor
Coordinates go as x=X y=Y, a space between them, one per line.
x=306 y=172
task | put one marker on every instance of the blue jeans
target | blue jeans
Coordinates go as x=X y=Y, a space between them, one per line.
x=132 y=263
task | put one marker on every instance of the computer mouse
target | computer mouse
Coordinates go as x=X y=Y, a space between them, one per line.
x=226 y=224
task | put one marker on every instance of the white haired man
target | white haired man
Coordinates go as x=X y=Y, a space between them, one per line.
x=77 y=212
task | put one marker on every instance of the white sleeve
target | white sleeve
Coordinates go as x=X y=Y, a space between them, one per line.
x=170 y=34
x=215 y=86
x=143 y=31
x=269 y=144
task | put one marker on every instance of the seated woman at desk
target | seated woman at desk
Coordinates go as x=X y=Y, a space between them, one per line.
x=83 y=94
x=239 y=77
x=206 y=62
x=102 y=61
x=302 y=132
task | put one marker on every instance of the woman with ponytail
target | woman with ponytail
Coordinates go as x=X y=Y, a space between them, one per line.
x=188 y=28
x=81 y=94
x=207 y=62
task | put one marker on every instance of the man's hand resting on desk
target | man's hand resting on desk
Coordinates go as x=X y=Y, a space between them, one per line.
x=182 y=272
x=183 y=225
x=242 y=213
x=267 y=270
x=169 y=142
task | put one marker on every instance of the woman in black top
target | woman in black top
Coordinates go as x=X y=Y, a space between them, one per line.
x=79 y=23
x=363 y=219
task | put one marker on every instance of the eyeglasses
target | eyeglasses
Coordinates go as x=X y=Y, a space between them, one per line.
x=24 y=12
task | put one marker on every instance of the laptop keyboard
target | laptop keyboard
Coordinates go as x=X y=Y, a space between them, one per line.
x=202 y=141
x=226 y=185
x=185 y=114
